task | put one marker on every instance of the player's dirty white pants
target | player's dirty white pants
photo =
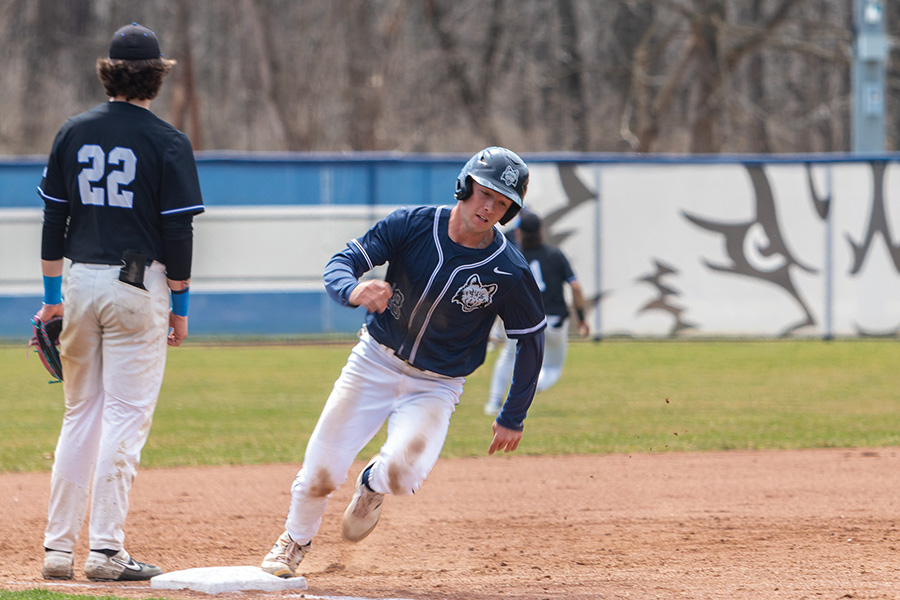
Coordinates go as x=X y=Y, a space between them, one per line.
x=374 y=386
x=113 y=349
x=556 y=345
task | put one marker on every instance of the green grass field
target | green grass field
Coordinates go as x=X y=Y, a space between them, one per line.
x=255 y=404
x=37 y=594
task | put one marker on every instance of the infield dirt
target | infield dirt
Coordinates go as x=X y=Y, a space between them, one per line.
x=735 y=525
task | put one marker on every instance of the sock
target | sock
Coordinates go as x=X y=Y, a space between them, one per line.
x=108 y=553
x=365 y=478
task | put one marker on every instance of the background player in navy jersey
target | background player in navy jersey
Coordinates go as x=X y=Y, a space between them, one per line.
x=450 y=274
x=120 y=191
x=552 y=272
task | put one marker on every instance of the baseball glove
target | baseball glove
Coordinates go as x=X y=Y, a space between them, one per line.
x=46 y=343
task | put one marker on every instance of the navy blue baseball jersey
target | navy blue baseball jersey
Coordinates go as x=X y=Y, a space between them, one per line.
x=445 y=296
x=117 y=172
x=551 y=269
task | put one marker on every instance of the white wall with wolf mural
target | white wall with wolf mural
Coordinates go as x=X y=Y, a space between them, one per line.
x=745 y=248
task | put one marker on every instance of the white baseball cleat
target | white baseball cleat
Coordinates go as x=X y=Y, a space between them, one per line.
x=285 y=555
x=362 y=513
x=57 y=565
x=118 y=567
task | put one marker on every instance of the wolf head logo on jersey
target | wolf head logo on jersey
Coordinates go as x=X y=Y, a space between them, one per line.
x=474 y=294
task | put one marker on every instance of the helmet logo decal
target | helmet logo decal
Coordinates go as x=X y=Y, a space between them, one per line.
x=474 y=294
x=510 y=176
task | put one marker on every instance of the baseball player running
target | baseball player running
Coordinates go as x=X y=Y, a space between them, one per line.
x=120 y=191
x=552 y=271
x=450 y=273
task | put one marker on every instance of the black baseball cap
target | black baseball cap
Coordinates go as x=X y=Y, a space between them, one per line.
x=529 y=222
x=134 y=42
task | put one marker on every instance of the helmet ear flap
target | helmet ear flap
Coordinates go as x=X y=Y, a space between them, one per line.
x=463 y=187
x=511 y=212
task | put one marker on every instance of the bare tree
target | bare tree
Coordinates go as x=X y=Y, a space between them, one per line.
x=449 y=75
x=473 y=73
x=572 y=65
x=185 y=102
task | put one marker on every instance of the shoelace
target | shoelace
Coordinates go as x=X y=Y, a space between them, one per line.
x=290 y=551
x=368 y=502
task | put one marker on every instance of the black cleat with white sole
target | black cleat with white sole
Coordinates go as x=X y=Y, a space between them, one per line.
x=119 y=566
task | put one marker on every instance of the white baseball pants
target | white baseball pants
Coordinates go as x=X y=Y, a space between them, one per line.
x=374 y=386
x=113 y=350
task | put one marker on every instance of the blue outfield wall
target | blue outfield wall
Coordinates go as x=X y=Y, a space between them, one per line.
x=360 y=178
x=231 y=182
x=228 y=179
x=230 y=314
x=260 y=179
x=271 y=314
x=664 y=245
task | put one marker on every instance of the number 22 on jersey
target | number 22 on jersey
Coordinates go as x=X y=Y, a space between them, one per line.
x=124 y=167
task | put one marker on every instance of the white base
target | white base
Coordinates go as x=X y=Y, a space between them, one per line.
x=214 y=580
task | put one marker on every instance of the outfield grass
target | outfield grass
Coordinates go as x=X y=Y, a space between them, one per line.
x=256 y=404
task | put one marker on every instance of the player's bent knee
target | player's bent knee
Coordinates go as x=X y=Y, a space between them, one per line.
x=401 y=479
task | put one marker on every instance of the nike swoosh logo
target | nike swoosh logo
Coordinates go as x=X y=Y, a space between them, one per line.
x=499 y=272
x=130 y=565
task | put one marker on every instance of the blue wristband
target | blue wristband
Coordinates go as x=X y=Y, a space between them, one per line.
x=53 y=289
x=180 y=301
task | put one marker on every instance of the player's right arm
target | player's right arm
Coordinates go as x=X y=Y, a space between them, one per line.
x=179 y=189
x=53 y=235
x=343 y=285
x=341 y=277
x=178 y=246
x=564 y=268
x=52 y=273
x=584 y=329
x=178 y=323
x=342 y=273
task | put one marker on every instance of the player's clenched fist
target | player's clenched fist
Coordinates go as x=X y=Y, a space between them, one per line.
x=372 y=294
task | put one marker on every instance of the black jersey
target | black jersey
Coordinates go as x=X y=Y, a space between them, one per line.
x=119 y=171
x=551 y=269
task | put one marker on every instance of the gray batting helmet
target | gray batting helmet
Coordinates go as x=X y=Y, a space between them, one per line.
x=500 y=170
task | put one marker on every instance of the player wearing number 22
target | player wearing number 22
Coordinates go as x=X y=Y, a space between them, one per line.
x=450 y=274
x=120 y=191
